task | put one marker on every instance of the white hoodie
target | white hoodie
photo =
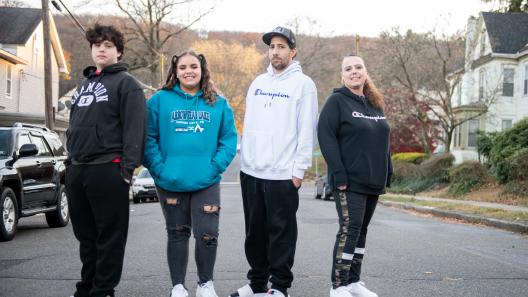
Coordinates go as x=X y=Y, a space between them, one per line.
x=279 y=124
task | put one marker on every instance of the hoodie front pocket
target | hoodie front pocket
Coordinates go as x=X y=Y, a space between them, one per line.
x=189 y=172
x=83 y=141
x=257 y=150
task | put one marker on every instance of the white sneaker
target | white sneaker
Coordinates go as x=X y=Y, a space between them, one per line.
x=340 y=292
x=246 y=291
x=275 y=293
x=179 y=291
x=206 y=290
x=358 y=289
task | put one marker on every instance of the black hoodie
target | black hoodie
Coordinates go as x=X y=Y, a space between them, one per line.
x=354 y=139
x=108 y=119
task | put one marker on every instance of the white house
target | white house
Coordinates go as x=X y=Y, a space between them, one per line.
x=22 y=66
x=496 y=71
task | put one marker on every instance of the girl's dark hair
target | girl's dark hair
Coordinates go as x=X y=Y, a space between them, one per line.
x=99 y=33
x=370 y=90
x=210 y=92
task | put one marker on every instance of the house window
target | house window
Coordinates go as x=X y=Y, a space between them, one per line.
x=507 y=83
x=526 y=79
x=482 y=84
x=506 y=124
x=9 y=80
x=459 y=94
x=473 y=127
x=459 y=132
x=482 y=42
x=455 y=137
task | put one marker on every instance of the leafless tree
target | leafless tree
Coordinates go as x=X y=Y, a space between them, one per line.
x=430 y=67
x=149 y=26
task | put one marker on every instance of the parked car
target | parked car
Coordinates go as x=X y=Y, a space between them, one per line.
x=143 y=187
x=31 y=177
x=322 y=188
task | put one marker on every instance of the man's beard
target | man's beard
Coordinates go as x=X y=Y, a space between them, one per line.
x=279 y=65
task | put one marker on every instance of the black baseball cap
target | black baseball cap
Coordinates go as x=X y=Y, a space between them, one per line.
x=280 y=31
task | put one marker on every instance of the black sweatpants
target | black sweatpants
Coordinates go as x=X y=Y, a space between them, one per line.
x=270 y=208
x=99 y=209
x=355 y=211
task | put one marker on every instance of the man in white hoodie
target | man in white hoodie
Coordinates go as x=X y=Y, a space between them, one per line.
x=277 y=145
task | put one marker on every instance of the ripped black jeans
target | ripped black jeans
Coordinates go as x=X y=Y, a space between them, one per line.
x=198 y=211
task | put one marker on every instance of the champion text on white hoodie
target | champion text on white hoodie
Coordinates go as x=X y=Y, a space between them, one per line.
x=279 y=124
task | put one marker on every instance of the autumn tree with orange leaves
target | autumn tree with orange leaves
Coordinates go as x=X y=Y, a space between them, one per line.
x=233 y=67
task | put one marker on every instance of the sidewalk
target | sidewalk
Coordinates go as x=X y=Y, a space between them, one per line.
x=520 y=226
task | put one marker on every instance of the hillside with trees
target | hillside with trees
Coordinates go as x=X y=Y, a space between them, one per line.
x=409 y=68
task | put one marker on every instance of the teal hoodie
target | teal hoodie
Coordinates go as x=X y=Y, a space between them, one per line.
x=189 y=142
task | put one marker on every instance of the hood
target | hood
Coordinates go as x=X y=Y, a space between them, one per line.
x=295 y=66
x=187 y=96
x=360 y=99
x=90 y=71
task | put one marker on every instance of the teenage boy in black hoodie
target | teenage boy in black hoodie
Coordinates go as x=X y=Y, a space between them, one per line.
x=354 y=139
x=105 y=143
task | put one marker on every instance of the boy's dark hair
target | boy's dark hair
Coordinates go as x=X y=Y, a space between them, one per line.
x=99 y=33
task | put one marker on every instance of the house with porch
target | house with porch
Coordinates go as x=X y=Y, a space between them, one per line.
x=22 y=67
x=494 y=80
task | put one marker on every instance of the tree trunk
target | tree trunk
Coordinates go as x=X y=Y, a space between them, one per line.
x=448 y=138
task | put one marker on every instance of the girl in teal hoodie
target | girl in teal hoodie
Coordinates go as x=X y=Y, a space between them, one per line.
x=191 y=139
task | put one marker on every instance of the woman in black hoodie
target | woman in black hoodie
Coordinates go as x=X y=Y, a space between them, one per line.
x=354 y=139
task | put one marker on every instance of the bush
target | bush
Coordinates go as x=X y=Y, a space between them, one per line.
x=505 y=145
x=415 y=158
x=466 y=176
x=485 y=143
x=517 y=187
x=411 y=178
x=403 y=170
x=518 y=165
x=437 y=167
x=412 y=185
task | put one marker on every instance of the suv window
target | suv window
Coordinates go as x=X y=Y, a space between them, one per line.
x=39 y=141
x=144 y=174
x=55 y=144
x=23 y=138
x=5 y=143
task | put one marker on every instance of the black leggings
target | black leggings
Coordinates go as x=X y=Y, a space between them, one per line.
x=355 y=211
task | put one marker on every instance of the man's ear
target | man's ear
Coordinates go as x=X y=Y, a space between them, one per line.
x=294 y=52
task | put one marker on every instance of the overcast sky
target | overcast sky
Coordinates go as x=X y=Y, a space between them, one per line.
x=333 y=17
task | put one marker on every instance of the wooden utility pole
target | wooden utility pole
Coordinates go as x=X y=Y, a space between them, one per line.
x=357 y=44
x=48 y=97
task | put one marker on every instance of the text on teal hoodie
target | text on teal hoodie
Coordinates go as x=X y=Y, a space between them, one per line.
x=189 y=142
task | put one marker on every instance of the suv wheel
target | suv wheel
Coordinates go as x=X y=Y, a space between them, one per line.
x=61 y=216
x=9 y=221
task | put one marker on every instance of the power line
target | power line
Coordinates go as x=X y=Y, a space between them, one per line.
x=72 y=17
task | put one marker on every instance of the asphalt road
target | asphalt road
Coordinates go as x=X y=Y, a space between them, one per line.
x=407 y=255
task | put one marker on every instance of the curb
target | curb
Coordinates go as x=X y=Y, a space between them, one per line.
x=501 y=224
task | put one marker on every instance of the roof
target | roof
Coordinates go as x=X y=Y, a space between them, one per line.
x=508 y=32
x=18 y=24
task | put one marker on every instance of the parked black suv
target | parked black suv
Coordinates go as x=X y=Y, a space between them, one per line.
x=31 y=177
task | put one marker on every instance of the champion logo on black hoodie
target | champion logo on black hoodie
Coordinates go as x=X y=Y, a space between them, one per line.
x=85 y=97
